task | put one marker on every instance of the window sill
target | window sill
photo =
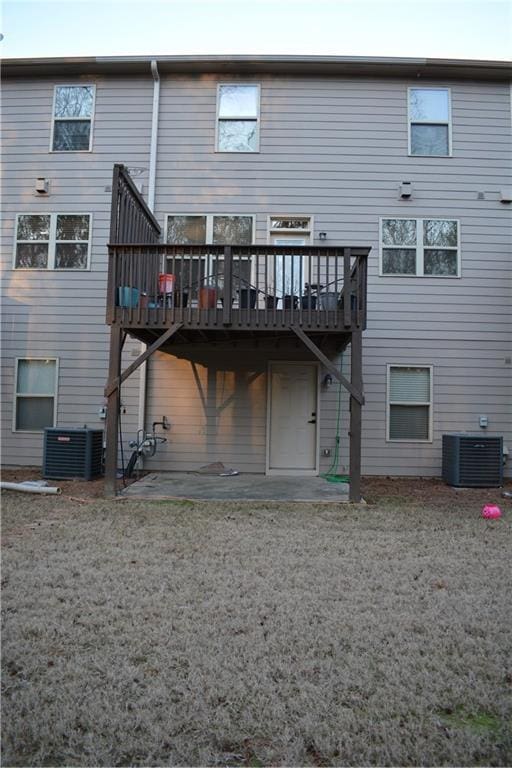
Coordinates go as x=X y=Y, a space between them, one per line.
x=237 y=152
x=409 y=440
x=48 y=269
x=422 y=277
x=410 y=154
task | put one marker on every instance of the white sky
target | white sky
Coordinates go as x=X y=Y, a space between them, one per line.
x=469 y=29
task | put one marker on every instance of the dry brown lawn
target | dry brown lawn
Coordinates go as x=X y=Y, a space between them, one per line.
x=179 y=633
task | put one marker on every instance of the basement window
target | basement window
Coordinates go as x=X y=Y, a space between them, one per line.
x=58 y=241
x=409 y=414
x=420 y=247
x=238 y=108
x=429 y=122
x=36 y=394
x=73 y=110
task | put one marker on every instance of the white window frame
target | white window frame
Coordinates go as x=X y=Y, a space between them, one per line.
x=420 y=248
x=293 y=232
x=410 y=122
x=45 y=394
x=91 y=118
x=52 y=242
x=389 y=403
x=237 y=117
x=274 y=234
x=209 y=222
x=209 y=233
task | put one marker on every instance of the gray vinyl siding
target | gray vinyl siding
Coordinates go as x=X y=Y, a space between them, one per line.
x=332 y=148
x=62 y=314
x=217 y=406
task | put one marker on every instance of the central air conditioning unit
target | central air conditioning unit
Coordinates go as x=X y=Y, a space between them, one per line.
x=76 y=452
x=473 y=460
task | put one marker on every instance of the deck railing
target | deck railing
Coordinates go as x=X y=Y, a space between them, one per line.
x=131 y=221
x=238 y=286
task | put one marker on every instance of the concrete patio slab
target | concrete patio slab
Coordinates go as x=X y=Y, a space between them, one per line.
x=243 y=487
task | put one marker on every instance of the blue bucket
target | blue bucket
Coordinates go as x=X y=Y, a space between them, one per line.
x=127 y=297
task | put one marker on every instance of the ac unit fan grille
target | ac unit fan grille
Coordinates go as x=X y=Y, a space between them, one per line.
x=473 y=461
x=73 y=453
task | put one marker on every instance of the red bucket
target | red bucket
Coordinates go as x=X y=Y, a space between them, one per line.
x=166 y=283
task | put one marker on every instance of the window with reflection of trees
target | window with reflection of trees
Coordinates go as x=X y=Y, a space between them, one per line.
x=72 y=118
x=193 y=271
x=425 y=247
x=429 y=121
x=53 y=241
x=238 y=118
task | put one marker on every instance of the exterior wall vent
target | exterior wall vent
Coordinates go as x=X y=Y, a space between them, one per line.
x=473 y=460
x=72 y=453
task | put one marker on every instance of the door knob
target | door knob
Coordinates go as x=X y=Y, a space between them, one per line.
x=312 y=421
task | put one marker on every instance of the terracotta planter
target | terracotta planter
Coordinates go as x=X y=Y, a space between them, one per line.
x=207 y=298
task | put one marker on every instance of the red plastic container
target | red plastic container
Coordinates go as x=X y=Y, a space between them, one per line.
x=166 y=283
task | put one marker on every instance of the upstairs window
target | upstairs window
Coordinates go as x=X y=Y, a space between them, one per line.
x=429 y=122
x=238 y=108
x=420 y=247
x=73 y=110
x=194 y=229
x=409 y=403
x=36 y=394
x=198 y=229
x=52 y=241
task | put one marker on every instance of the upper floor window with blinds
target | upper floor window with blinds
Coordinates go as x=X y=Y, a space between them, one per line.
x=238 y=114
x=430 y=122
x=73 y=111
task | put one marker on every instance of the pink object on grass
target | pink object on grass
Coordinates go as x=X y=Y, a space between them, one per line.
x=491 y=511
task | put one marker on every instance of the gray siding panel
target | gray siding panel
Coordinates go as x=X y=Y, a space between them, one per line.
x=62 y=314
x=333 y=148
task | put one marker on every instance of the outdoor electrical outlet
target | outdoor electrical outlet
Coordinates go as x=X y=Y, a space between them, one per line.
x=326 y=452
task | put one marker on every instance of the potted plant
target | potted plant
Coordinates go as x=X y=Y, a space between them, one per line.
x=248 y=297
x=290 y=301
x=310 y=296
x=271 y=301
x=208 y=295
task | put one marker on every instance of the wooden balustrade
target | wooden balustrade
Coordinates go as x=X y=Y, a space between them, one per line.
x=246 y=287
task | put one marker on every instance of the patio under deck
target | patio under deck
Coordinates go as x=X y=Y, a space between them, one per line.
x=177 y=297
x=243 y=487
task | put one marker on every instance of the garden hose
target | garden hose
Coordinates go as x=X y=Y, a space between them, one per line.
x=331 y=474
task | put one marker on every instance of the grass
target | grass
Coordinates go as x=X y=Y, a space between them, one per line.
x=252 y=634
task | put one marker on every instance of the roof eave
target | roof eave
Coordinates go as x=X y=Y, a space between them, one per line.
x=291 y=65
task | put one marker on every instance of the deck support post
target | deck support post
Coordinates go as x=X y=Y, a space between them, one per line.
x=115 y=381
x=355 y=392
x=113 y=406
x=356 y=377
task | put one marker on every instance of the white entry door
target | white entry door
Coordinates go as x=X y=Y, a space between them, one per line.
x=292 y=419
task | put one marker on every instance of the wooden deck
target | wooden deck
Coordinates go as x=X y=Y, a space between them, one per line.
x=237 y=288
x=172 y=296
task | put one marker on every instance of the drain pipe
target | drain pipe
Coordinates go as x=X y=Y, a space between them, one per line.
x=154 y=135
x=151 y=204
